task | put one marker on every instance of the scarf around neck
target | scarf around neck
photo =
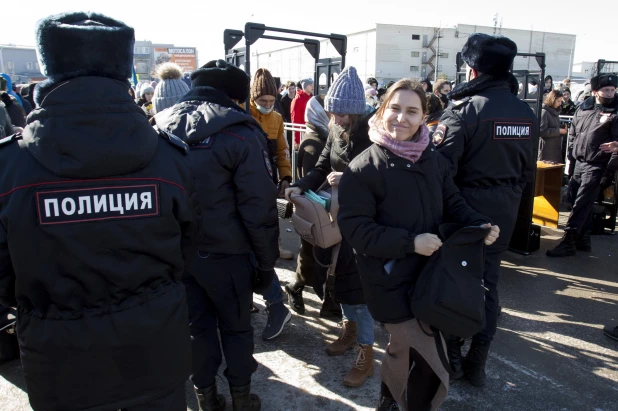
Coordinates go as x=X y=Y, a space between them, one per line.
x=410 y=150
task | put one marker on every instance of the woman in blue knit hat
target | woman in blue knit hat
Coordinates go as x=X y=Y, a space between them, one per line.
x=348 y=137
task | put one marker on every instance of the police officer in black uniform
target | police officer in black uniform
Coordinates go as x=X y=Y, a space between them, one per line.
x=488 y=137
x=595 y=123
x=238 y=217
x=97 y=226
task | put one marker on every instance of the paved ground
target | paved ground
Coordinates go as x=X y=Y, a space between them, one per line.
x=549 y=353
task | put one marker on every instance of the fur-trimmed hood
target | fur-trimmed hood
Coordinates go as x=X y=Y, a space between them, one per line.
x=484 y=82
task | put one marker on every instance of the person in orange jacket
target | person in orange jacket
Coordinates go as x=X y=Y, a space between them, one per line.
x=263 y=97
x=299 y=105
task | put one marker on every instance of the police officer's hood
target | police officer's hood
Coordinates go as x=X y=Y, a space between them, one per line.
x=506 y=81
x=90 y=127
x=202 y=112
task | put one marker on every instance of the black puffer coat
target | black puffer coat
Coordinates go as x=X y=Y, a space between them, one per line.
x=550 y=143
x=335 y=157
x=97 y=222
x=385 y=202
x=233 y=176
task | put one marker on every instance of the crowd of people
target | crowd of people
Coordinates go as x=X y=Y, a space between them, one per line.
x=155 y=213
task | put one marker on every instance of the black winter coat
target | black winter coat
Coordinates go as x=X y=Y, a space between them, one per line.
x=233 y=176
x=310 y=149
x=550 y=141
x=335 y=157
x=97 y=226
x=490 y=140
x=568 y=108
x=16 y=112
x=286 y=105
x=592 y=126
x=385 y=202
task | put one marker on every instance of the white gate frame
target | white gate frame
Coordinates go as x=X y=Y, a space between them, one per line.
x=302 y=129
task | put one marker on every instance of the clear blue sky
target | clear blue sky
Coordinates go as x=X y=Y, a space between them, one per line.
x=201 y=23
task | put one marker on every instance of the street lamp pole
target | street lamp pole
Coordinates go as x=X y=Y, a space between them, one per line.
x=438 y=56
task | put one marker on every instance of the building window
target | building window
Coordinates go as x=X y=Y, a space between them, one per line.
x=10 y=65
x=355 y=49
x=443 y=55
x=416 y=37
x=414 y=68
x=29 y=66
x=439 y=68
x=416 y=54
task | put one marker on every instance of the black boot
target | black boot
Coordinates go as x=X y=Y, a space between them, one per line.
x=387 y=404
x=243 y=400
x=455 y=359
x=474 y=363
x=567 y=245
x=209 y=400
x=583 y=241
x=295 y=298
x=330 y=307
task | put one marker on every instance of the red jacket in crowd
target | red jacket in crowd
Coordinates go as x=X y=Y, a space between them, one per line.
x=299 y=104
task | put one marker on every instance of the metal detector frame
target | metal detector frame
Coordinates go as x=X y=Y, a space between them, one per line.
x=255 y=31
x=600 y=64
x=521 y=240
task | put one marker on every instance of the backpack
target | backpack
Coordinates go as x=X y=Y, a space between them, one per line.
x=450 y=293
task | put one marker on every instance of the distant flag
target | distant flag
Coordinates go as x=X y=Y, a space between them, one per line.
x=134 y=78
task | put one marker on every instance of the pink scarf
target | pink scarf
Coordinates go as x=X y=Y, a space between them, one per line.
x=410 y=150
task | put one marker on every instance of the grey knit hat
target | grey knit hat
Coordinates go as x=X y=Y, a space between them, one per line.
x=170 y=89
x=347 y=94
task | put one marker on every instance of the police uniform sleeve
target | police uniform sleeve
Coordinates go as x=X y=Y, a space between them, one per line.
x=356 y=219
x=186 y=215
x=453 y=144
x=7 y=275
x=256 y=201
x=455 y=207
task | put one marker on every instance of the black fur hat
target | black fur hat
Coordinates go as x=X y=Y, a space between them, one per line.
x=79 y=44
x=604 y=80
x=225 y=77
x=491 y=55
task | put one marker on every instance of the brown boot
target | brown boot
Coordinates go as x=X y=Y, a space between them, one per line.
x=346 y=340
x=363 y=366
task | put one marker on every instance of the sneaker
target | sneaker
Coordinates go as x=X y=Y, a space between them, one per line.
x=611 y=332
x=278 y=316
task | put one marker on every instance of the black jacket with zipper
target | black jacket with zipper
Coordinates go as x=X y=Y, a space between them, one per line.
x=385 y=202
x=233 y=175
x=97 y=226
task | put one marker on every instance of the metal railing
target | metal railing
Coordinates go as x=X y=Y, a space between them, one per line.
x=302 y=129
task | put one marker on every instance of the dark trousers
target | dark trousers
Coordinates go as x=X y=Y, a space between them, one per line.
x=305 y=267
x=501 y=205
x=585 y=188
x=218 y=296
x=172 y=401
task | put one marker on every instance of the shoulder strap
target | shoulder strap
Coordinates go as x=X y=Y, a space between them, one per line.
x=173 y=140
x=10 y=139
x=437 y=335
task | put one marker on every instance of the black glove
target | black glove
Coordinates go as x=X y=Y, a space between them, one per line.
x=606 y=182
x=263 y=280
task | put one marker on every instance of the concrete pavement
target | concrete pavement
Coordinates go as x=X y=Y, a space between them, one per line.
x=549 y=353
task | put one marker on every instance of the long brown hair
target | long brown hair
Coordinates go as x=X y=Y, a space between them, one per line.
x=355 y=120
x=551 y=97
x=403 y=84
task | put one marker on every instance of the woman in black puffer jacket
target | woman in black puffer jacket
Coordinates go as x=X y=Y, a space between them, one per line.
x=347 y=139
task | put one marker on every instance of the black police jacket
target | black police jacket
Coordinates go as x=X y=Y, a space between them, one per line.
x=593 y=125
x=489 y=135
x=97 y=222
x=385 y=201
x=233 y=174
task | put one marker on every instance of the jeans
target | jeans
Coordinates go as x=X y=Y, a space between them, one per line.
x=273 y=295
x=364 y=322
